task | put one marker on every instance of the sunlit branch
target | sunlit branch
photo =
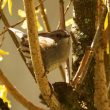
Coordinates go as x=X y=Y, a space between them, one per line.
x=65 y=12
x=4 y=19
x=44 y=16
x=16 y=94
x=45 y=87
x=82 y=70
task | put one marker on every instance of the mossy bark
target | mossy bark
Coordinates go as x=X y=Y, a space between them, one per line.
x=84 y=16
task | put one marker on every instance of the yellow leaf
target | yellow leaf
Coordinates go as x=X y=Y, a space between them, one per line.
x=69 y=22
x=107 y=48
x=3 y=91
x=21 y=13
x=2 y=52
x=37 y=11
x=3 y=3
x=40 y=28
x=24 y=25
x=10 y=6
x=3 y=95
x=1 y=58
x=106 y=22
x=103 y=1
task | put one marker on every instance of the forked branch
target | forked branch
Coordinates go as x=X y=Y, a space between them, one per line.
x=82 y=70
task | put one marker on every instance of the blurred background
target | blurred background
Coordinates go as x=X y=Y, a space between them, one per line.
x=13 y=65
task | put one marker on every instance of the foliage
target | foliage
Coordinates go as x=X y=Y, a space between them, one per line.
x=3 y=96
x=9 y=2
x=2 y=52
x=79 y=98
x=22 y=14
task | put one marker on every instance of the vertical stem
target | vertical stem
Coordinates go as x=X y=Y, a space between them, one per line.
x=101 y=92
x=40 y=74
x=62 y=16
x=62 y=26
x=45 y=20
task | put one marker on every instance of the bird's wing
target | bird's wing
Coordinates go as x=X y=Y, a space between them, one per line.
x=46 y=42
x=21 y=34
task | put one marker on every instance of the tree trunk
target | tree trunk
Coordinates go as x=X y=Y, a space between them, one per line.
x=84 y=29
x=101 y=92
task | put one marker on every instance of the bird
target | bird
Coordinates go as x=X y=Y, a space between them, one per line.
x=55 y=47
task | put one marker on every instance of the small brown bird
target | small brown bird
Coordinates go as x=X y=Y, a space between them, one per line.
x=55 y=47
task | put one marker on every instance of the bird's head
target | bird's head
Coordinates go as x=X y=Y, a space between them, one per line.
x=60 y=34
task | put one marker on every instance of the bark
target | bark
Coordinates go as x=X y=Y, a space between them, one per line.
x=84 y=29
x=101 y=92
x=45 y=87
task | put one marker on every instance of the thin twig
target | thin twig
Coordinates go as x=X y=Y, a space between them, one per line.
x=62 y=16
x=16 y=94
x=36 y=8
x=6 y=28
x=62 y=26
x=45 y=87
x=65 y=12
x=47 y=28
x=19 y=22
x=82 y=70
x=4 y=19
x=44 y=17
x=62 y=72
x=1 y=40
x=68 y=6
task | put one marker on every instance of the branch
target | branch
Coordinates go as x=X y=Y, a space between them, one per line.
x=62 y=72
x=82 y=70
x=16 y=42
x=36 y=8
x=62 y=16
x=47 y=28
x=62 y=26
x=19 y=22
x=68 y=6
x=16 y=94
x=6 y=28
x=45 y=87
x=44 y=17
x=101 y=100
x=65 y=12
